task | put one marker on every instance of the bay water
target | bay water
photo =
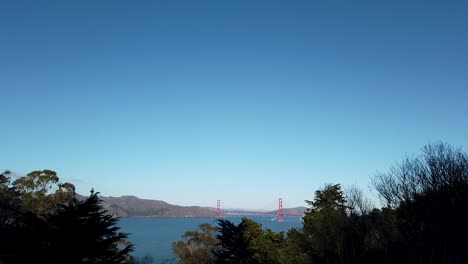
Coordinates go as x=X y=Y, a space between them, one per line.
x=154 y=236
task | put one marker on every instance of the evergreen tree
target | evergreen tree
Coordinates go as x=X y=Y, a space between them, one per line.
x=234 y=243
x=324 y=224
x=82 y=232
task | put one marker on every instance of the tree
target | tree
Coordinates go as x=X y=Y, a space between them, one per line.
x=324 y=224
x=83 y=232
x=265 y=245
x=296 y=248
x=356 y=202
x=196 y=246
x=10 y=202
x=429 y=197
x=439 y=167
x=42 y=190
x=234 y=243
x=41 y=222
x=331 y=197
x=246 y=242
x=21 y=231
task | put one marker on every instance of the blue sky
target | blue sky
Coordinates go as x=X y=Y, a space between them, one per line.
x=243 y=101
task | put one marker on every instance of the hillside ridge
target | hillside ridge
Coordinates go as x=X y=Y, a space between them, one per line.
x=133 y=206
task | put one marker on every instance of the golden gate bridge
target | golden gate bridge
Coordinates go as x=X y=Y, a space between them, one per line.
x=279 y=213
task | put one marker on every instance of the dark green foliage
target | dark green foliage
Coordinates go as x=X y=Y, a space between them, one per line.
x=433 y=226
x=265 y=244
x=196 y=246
x=295 y=249
x=21 y=231
x=41 y=191
x=22 y=241
x=246 y=242
x=330 y=198
x=86 y=226
x=325 y=225
x=63 y=230
x=234 y=243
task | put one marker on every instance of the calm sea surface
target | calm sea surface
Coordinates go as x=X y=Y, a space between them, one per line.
x=154 y=236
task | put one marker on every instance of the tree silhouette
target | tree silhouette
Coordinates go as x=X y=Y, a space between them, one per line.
x=21 y=231
x=234 y=243
x=40 y=226
x=429 y=195
x=324 y=224
x=82 y=232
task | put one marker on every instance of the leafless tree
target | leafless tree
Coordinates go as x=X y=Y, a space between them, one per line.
x=356 y=201
x=437 y=167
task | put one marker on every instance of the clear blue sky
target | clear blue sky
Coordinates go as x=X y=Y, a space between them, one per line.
x=243 y=101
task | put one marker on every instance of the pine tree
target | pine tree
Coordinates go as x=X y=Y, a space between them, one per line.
x=83 y=232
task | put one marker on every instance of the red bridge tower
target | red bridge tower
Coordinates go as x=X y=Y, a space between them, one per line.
x=280 y=210
x=218 y=209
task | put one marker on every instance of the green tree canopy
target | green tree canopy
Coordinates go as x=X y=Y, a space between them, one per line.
x=59 y=228
x=324 y=224
x=197 y=246
x=42 y=190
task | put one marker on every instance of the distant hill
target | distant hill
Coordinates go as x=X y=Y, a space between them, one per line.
x=128 y=206
x=296 y=210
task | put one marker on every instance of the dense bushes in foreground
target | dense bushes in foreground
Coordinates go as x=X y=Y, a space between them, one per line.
x=424 y=220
